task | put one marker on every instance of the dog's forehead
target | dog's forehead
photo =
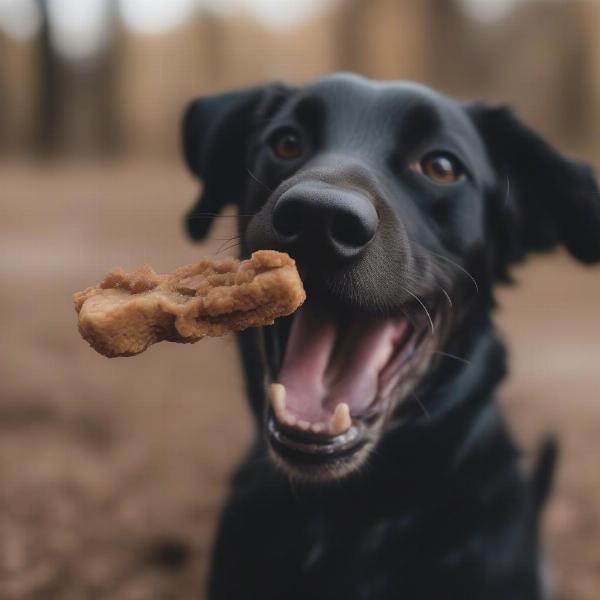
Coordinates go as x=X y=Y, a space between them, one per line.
x=354 y=90
x=357 y=111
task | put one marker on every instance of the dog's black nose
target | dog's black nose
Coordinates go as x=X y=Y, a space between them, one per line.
x=324 y=220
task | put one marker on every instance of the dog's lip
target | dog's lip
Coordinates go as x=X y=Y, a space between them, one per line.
x=327 y=447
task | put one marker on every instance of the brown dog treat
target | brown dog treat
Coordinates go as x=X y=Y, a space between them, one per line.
x=127 y=312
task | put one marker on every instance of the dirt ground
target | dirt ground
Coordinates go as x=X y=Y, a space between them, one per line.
x=112 y=472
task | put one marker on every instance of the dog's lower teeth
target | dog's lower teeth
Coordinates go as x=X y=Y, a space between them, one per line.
x=339 y=423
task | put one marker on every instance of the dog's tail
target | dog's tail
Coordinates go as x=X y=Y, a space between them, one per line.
x=542 y=476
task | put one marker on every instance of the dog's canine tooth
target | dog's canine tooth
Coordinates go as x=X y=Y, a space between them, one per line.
x=341 y=420
x=290 y=419
x=277 y=398
x=304 y=425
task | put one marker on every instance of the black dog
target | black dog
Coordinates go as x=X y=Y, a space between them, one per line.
x=392 y=474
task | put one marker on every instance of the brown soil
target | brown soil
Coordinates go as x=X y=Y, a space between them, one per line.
x=112 y=472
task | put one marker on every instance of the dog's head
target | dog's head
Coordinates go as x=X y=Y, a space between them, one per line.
x=402 y=208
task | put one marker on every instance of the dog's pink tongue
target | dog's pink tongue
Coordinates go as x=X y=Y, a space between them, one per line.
x=308 y=350
x=319 y=371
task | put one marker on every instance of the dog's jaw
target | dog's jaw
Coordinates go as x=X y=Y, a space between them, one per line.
x=323 y=418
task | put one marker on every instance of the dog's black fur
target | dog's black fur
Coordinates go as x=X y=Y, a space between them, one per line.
x=442 y=507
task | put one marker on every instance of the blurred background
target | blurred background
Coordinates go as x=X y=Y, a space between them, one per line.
x=112 y=472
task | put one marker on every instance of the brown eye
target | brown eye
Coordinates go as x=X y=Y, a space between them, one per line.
x=441 y=168
x=287 y=145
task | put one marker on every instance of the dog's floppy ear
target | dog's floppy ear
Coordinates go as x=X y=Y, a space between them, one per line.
x=215 y=134
x=547 y=198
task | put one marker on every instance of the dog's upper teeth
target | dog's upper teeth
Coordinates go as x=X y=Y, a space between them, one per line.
x=341 y=420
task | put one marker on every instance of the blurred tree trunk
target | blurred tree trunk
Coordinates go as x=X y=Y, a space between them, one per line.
x=213 y=46
x=576 y=89
x=104 y=120
x=3 y=115
x=49 y=75
x=392 y=39
x=350 y=36
x=77 y=112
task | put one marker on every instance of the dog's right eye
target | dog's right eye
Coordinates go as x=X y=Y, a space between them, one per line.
x=287 y=144
x=441 y=167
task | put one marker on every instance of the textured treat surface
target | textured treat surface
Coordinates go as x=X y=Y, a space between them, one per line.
x=127 y=312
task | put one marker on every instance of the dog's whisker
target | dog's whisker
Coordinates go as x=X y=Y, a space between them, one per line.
x=207 y=215
x=230 y=247
x=447 y=295
x=258 y=180
x=211 y=216
x=421 y=405
x=376 y=454
x=459 y=358
x=395 y=424
x=425 y=309
x=507 y=194
x=227 y=241
x=408 y=317
x=456 y=265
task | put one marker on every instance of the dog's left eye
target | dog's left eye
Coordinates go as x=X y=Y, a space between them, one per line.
x=287 y=144
x=440 y=167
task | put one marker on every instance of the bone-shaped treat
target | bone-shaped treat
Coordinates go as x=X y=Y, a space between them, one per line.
x=127 y=312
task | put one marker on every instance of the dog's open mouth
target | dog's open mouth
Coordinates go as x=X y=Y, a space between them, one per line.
x=338 y=378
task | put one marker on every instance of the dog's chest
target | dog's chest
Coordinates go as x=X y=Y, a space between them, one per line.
x=355 y=557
